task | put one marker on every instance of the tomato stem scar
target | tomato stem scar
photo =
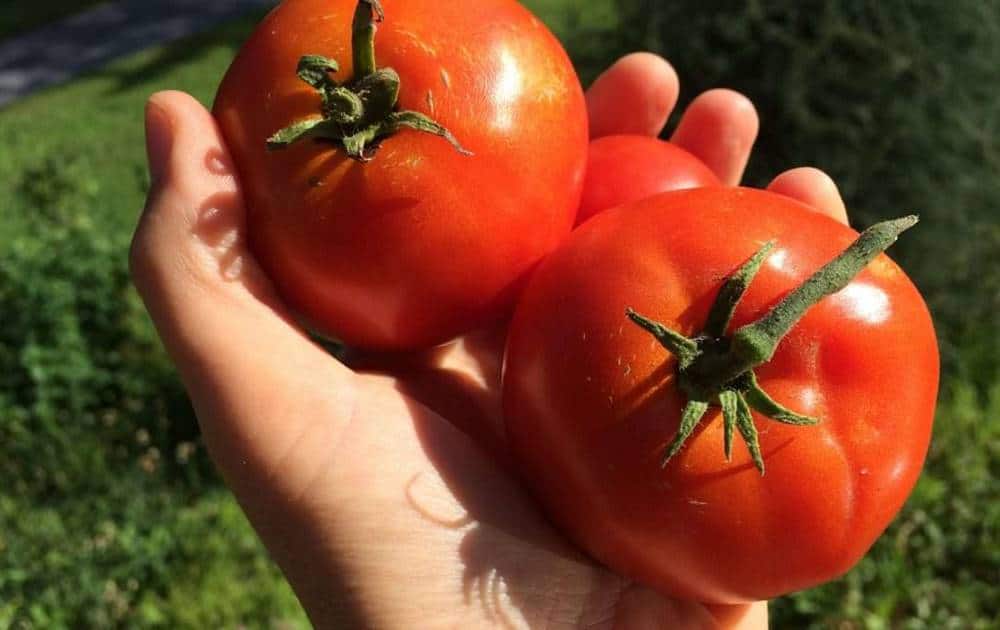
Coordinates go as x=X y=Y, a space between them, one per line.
x=713 y=368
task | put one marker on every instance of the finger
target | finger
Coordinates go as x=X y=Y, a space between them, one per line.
x=720 y=127
x=741 y=617
x=254 y=378
x=634 y=96
x=642 y=607
x=460 y=381
x=814 y=188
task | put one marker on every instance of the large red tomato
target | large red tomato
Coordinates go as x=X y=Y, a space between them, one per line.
x=623 y=169
x=421 y=241
x=592 y=399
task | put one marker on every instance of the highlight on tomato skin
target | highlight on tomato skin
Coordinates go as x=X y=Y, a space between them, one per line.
x=391 y=236
x=626 y=168
x=592 y=400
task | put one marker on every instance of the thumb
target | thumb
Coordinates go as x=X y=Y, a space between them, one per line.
x=159 y=138
x=255 y=379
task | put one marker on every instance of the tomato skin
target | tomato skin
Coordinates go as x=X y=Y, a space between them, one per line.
x=589 y=405
x=627 y=168
x=422 y=243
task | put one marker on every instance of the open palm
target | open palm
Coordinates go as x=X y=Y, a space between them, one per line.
x=383 y=489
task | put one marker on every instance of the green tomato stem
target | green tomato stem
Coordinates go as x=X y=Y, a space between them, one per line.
x=756 y=343
x=715 y=369
x=358 y=115
x=366 y=14
x=733 y=290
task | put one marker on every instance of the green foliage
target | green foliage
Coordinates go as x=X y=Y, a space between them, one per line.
x=589 y=30
x=110 y=513
x=69 y=366
x=142 y=555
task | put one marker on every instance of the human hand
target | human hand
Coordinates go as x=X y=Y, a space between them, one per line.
x=382 y=490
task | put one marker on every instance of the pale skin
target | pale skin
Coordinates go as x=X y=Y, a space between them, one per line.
x=387 y=497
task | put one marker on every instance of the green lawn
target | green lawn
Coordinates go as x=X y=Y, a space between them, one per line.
x=111 y=515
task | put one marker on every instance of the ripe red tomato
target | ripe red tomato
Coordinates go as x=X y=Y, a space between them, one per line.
x=623 y=169
x=422 y=242
x=591 y=399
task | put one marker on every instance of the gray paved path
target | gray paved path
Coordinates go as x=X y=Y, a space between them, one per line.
x=89 y=40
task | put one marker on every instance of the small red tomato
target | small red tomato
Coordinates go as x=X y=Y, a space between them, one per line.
x=623 y=169
x=661 y=329
x=375 y=224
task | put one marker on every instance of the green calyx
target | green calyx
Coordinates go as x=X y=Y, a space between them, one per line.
x=359 y=114
x=718 y=369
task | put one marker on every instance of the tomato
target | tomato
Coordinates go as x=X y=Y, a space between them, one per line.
x=592 y=400
x=623 y=169
x=412 y=241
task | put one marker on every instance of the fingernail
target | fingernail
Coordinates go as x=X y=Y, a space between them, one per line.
x=159 y=139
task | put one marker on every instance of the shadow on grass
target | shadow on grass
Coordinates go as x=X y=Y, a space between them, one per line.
x=163 y=61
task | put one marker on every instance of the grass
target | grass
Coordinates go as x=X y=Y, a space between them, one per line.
x=111 y=514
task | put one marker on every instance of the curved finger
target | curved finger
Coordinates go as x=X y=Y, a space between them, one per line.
x=460 y=381
x=741 y=617
x=814 y=188
x=642 y=607
x=720 y=127
x=633 y=96
x=254 y=377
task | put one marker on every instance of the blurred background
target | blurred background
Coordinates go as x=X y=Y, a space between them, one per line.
x=110 y=512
